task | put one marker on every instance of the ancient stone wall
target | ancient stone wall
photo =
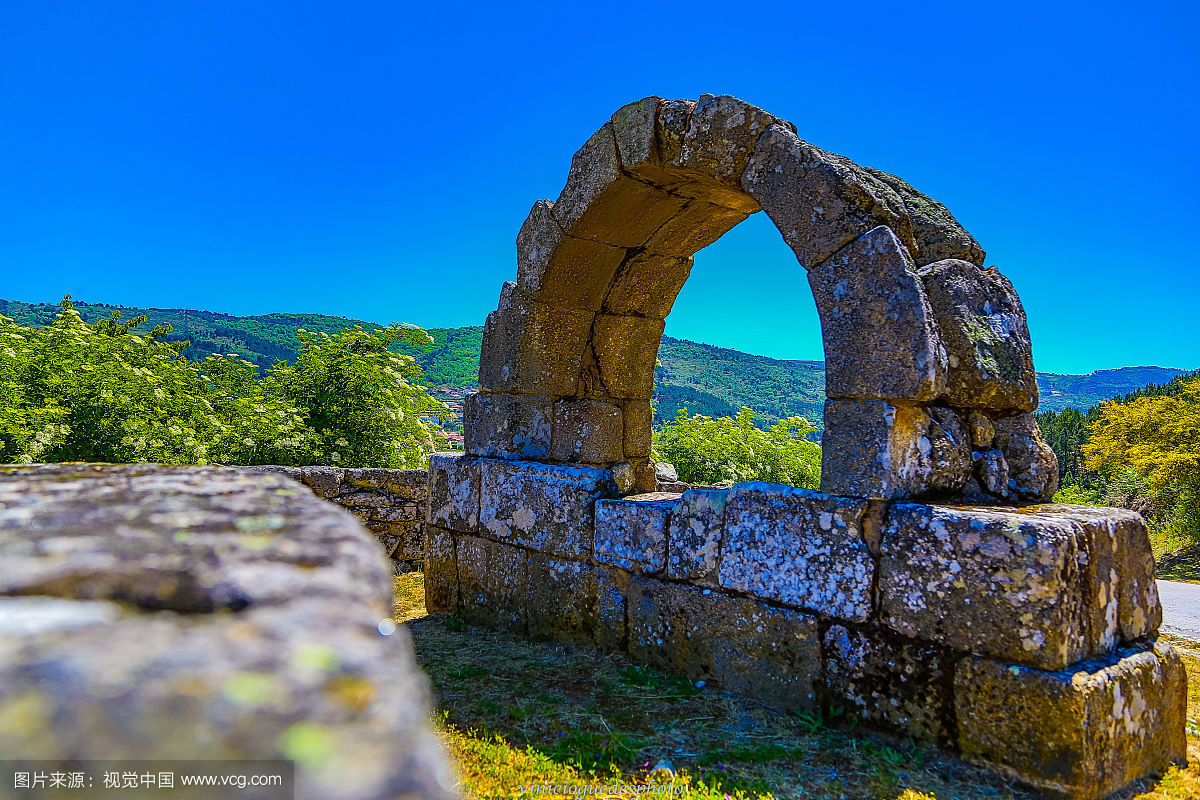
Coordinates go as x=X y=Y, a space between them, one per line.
x=390 y=502
x=1022 y=640
x=920 y=591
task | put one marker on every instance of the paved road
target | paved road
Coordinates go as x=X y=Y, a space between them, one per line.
x=1181 y=609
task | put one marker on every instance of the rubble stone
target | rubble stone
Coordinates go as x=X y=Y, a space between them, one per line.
x=1032 y=465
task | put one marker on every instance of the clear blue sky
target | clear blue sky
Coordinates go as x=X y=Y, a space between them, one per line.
x=376 y=160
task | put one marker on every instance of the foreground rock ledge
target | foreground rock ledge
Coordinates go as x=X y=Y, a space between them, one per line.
x=154 y=612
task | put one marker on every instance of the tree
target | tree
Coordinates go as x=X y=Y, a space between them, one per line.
x=70 y=391
x=708 y=450
x=1151 y=446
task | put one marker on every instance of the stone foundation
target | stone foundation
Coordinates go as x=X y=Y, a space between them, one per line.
x=1021 y=639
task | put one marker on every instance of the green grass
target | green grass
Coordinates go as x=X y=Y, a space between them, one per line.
x=515 y=712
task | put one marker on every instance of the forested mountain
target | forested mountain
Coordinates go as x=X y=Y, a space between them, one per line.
x=707 y=380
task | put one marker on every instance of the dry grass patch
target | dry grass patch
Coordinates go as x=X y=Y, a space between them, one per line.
x=515 y=712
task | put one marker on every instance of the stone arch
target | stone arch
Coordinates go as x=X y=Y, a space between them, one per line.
x=929 y=371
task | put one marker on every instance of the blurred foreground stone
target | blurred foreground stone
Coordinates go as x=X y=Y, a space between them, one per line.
x=198 y=613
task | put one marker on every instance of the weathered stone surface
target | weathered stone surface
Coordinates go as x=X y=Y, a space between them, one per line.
x=875 y=449
x=633 y=129
x=412 y=484
x=881 y=339
x=1004 y=584
x=991 y=470
x=695 y=534
x=820 y=202
x=560 y=270
x=563 y=600
x=983 y=329
x=1083 y=732
x=644 y=478
x=594 y=167
x=507 y=426
x=938 y=234
x=798 y=547
x=771 y=654
x=588 y=431
x=631 y=533
x=646 y=285
x=665 y=471
x=638 y=418
x=530 y=347
x=721 y=135
x=981 y=427
x=1032 y=465
x=626 y=349
x=1126 y=602
x=542 y=507
x=949 y=458
x=695 y=226
x=491 y=581
x=324 y=481
x=441 y=571
x=889 y=682
x=454 y=491
x=121 y=656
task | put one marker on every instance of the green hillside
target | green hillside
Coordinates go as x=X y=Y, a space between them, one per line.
x=707 y=380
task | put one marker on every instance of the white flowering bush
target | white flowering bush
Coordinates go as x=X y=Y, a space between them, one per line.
x=71 y=391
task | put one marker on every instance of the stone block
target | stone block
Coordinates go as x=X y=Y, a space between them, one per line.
x=646 y=285
x=631 y=533
x=797 y=547
x=937 y=233
x=507 y=426
x=981 y=428
x=324 y=481
x=983 y=329
x=563 y=599
x=721 y=136
x=1032 y=465
x=612 y=618
x=441 y=571
x=881 y=338
x=626 y=214
x=695 y=533
x=1004 y=584
x=531 y=347
x=873 y=448
x=491 y=581
x=633 y=129
x=542 y=507
x=412 y=484
x=1084 y=732
x=1126 y=601
x=626 y=349
x=588 y=431
x=890 y=682
x=819 y=201
x=695 y=226
x=770 y=654
x=561 y=270
x=454 y=491
x=638 y=418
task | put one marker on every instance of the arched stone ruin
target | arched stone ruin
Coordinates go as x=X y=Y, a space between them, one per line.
x=910 y=591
